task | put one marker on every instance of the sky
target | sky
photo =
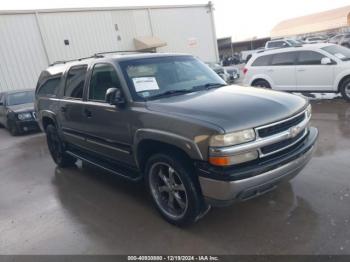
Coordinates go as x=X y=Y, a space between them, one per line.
x=241 y=19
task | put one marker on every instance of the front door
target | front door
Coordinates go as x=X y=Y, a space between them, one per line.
x=282 y=71
x=311 y=74
x=107 y=126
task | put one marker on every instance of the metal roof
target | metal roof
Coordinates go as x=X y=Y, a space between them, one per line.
x=88 y=9
x=318 y=22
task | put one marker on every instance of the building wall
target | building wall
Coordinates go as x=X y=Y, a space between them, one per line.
x=32 y=40
x=22 y=55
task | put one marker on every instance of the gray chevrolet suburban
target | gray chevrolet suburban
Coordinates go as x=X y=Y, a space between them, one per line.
x=172 y=122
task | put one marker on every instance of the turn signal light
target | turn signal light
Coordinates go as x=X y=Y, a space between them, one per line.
x=220 y=161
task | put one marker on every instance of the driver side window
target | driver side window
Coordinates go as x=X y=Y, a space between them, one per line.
x=103 y=77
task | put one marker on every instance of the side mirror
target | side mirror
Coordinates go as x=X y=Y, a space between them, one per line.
x=114 y=96
x=326 y=61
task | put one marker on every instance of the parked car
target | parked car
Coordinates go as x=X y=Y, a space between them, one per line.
x=342 y=39
x=315 y=40
x=281 y=43
x=172 y=122
x=233 y=74
x=220 y=70
x=310 y=68
x=17 y=111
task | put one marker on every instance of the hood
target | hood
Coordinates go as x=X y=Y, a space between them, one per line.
x=29 y=107
x=233 y=108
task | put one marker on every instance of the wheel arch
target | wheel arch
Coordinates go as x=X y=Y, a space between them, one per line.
x=148 y=142
x=342 y=80
x=46 y=118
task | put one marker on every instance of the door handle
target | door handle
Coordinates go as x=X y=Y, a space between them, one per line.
x=301 y=70
x=63 y=109
x=87 y=113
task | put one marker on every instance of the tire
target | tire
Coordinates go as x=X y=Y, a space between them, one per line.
x=12 y=128
x=261 y=83
x=345 y=89
x=173 y=188
x=57 y=148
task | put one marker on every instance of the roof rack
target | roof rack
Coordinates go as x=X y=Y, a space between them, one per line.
x=125 y=51
x=99 y=55
x=78 y=59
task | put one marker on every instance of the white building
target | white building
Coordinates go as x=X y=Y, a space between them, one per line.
x=33 y=39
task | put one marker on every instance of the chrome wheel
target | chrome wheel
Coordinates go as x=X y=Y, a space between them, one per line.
x=168 y=190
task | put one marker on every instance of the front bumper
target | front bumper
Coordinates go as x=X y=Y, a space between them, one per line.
x=255 y=180
x=27 y=125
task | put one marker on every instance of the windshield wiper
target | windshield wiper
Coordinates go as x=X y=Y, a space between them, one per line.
x=172 y=92
x=209 y=86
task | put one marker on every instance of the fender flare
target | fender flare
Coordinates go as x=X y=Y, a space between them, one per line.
x=185 y=144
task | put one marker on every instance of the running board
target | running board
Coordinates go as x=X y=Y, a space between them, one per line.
x=109 y=167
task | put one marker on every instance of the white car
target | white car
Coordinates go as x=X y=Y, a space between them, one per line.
x=309 y=68
x=272 y=44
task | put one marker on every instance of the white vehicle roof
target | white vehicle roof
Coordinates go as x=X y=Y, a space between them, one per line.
x=292 y=48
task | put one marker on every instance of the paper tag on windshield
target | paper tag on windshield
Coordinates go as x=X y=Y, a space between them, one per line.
x=145 y=84
x=340 y=56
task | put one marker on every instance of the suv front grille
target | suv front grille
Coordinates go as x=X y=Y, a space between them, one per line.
x=280 y=127
x=274 y=148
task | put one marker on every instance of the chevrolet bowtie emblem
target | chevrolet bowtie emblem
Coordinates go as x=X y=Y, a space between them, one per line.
x=294 y=131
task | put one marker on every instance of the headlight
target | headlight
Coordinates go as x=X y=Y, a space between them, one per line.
x=231 y=139
x=308 y=111
x=24 y=116
x=234 y=159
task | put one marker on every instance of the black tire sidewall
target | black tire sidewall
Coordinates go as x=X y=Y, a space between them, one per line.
x=263 y=84
x=342 y=89
x=185 y=172
x=12 y=128
x=59 y=157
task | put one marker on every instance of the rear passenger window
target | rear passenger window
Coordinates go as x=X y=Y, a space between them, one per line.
x=309 y=58
x=103 y=77
x=262 y=61
x=276 y=44
x=49 y=87
x=283 y=59
x=75 y=82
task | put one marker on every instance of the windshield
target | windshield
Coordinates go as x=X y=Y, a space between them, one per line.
x=20 y=98
x=151 y=77
x=338 y=51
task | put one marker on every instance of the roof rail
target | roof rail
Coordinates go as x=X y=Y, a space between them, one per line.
x=124 y=51
x=99 y=55
x=78 y=59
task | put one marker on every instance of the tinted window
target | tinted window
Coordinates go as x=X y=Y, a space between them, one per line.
x=75 y=82
x=49 y=87
x=262 y=61
x=309 y=58
x=347 y=36
x=20 y=98
x=103 y=77
x=287 y=58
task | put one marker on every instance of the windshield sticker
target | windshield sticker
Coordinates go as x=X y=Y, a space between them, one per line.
x=340 y=56
x=145 y=84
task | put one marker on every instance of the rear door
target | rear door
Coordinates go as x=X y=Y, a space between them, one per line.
x=71 y=114
x=311 y=74
x=282 y=71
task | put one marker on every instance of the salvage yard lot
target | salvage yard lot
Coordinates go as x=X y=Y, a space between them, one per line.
x=47 y=210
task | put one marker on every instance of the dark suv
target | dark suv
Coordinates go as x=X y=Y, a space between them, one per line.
x=171 y=121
